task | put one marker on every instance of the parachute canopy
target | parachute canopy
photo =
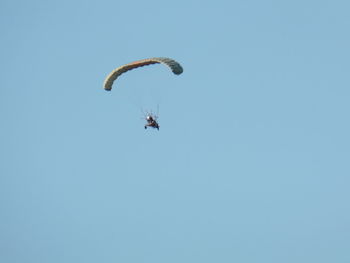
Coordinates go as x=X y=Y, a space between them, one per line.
x=172 y=64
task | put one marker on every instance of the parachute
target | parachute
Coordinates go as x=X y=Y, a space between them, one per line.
x=172 y=64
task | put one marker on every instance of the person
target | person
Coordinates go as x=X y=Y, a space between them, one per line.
x=149 y=118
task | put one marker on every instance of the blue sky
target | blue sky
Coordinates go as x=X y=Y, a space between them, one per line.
x=251 y=163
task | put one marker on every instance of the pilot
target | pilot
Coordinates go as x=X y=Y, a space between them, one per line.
x=149 y=119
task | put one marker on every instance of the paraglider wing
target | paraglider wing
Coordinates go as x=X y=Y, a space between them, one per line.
x=172 y=64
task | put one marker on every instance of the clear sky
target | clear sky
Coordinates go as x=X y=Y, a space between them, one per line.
x=252 y=160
